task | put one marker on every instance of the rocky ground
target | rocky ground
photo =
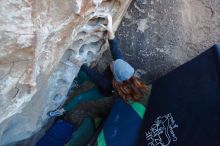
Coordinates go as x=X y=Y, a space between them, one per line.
x=159 y=35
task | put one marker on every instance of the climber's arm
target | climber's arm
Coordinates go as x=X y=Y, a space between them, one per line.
x=113 y=41
x=114 y=47
x=96 y=77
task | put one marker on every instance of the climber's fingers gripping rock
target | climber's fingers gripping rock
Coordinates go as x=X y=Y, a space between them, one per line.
x=109 y=27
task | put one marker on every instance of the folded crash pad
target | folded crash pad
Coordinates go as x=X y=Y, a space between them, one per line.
x=122 y=126
x=57 y=135
x=183 y=109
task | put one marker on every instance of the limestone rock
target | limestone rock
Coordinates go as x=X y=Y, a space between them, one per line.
x=36 y=39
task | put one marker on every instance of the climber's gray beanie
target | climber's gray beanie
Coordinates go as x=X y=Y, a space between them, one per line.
x=122 y=70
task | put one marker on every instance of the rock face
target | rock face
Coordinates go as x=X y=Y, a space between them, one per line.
x=37 y=37
x=164 y=34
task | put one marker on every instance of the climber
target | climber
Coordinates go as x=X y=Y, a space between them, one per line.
x=118 y=78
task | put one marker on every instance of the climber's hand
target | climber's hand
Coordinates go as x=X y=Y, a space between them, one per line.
x=76 y=61
x=109 y=28
x=109 y=25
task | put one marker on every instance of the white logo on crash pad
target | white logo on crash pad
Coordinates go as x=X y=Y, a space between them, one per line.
x=161 y=132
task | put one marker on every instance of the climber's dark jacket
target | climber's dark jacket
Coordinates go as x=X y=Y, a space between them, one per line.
x=104 y=80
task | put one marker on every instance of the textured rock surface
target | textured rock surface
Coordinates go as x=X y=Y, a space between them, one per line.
x=159 y=35
x=36 y=39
